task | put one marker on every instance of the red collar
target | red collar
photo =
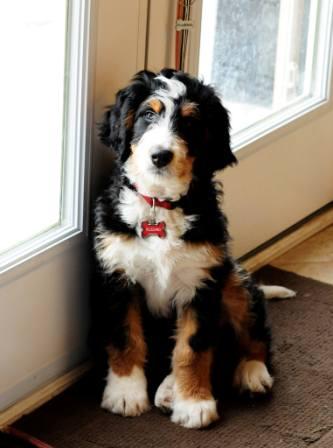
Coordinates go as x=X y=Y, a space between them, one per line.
x=158 y=203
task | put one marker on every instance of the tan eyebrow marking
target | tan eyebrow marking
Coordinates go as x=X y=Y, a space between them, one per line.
x=189 y=110
x=156 y=105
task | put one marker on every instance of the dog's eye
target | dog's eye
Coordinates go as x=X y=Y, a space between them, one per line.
x=149 y=116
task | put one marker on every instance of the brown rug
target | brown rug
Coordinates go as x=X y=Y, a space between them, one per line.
x=299 y=414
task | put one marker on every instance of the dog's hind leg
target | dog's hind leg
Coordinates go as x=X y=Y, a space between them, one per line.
x=244 y=303
x=252 y=373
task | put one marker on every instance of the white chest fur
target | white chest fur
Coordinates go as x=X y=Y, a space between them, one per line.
x=168 y=269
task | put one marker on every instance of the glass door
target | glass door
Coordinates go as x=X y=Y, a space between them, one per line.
x=44 y=171
x=271 y=63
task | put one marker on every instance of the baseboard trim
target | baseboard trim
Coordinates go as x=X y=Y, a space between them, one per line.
x=42 y=395
x=251 y=263
x=290 y=239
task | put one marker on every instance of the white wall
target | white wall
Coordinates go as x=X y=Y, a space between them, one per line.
x=120 y=53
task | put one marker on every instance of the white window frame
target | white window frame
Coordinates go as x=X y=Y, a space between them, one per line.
x=288 y=46
x=250 y=139
x=76 y=150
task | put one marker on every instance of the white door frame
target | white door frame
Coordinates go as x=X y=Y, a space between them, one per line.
x=45 y=283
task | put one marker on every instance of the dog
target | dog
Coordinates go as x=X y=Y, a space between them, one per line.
x=162 y=247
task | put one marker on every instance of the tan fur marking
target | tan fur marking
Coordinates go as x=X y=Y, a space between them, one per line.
x=156 y=105
x=122 y=362
x=182 y=163
x=183 y=168
x=189 y=110
x=254 y=350
x=192 y=370
x=236 y=300
x=213 y=252
x=129 y=120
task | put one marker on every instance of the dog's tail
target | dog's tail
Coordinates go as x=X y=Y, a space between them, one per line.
x=276 y=292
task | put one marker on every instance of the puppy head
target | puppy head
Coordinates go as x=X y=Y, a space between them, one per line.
x=168 y=129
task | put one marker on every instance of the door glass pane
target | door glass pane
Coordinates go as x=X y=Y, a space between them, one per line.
x=259 y=54
x=32 y=48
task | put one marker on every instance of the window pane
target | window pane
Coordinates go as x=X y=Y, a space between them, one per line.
x=259 y=54
x=32 y=48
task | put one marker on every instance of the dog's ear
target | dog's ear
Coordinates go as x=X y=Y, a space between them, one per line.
x=218 y=134
x=116 y=129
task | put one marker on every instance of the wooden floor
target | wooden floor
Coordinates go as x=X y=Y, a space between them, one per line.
x=313 y=258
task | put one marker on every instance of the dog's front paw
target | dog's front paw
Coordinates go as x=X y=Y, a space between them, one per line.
x=124 y=403
x=194 y=414
x=165 y=394
x=126 y=395
x=253 y=376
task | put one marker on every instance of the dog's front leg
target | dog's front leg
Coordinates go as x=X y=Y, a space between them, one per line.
x=193 y=403
x=125 y=392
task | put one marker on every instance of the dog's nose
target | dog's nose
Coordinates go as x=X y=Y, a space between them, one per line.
x=161 y=158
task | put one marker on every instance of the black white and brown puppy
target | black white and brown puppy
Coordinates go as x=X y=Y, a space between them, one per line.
x=161 y=243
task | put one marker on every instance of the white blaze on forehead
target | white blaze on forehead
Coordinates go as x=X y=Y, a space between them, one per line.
x=161 y=132
x=159 y=135
x=173 y=89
